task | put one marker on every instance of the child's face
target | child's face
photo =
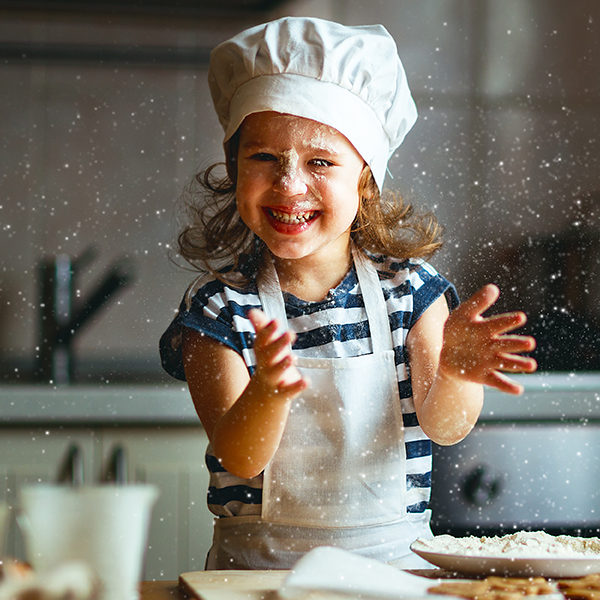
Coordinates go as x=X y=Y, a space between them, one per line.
x=297 y=184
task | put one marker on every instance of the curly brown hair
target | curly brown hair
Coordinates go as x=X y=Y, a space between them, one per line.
x=384 y=223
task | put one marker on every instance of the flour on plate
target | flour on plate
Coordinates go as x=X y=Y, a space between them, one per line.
x=528 y=544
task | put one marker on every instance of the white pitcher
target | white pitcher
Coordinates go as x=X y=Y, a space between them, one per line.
x=104 y=526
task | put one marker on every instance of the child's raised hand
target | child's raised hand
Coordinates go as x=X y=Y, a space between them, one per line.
x=479 y=349
x=276 y=373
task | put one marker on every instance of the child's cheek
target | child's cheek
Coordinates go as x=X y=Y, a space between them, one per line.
x=244 y=174
x=318 y=185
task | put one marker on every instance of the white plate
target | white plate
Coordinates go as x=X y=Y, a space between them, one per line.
x=514 y=566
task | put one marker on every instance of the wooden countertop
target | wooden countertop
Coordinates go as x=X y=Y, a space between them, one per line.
x=170 y=590
x=162 y=590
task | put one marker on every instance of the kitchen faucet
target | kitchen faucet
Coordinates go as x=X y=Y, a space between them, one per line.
x=62 y=315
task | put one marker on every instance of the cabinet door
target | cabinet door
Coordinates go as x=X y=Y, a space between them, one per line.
x=36 y=455
x=172 y=458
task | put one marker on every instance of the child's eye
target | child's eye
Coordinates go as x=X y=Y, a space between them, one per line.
x=263 y=156
x=321 y=162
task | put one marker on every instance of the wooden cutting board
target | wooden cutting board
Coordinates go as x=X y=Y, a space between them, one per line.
x=261 y=585
x=232 y=585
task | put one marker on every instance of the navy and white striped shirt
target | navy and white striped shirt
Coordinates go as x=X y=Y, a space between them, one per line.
x=334 y=327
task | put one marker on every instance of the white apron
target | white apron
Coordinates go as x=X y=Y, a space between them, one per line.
x=338 y=477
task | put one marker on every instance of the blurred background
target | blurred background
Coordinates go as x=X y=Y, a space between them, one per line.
x=105 y=118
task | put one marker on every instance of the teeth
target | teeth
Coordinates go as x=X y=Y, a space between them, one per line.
x=292 y=218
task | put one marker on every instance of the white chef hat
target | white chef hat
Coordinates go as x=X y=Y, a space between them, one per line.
x=349 y=78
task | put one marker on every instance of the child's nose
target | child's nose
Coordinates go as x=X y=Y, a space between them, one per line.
x=290 y=181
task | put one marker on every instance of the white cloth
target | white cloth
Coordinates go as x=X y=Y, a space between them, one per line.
x=336 y=571
x=251 y=543
x=346 y=427
x=339 y=474
x=349 y=78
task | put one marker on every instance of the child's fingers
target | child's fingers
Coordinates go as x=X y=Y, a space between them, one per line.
x=258 y=318
x=276 y=371
x=291 y=390
x=480 y=301
x=276 y=349
x=501 y=382
x=516 y=363
x=265 y=328
x=270 y=376
x=515 y=343
x=265 y=336
x=505 y=322
x=281 y=375
x=496 y=357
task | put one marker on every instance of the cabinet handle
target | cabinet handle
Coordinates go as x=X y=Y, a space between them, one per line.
x=116 y=469
x=71 y=470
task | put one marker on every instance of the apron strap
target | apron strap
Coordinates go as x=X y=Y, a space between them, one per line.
x=271 y=298
x=269 y=292
x=375 y=306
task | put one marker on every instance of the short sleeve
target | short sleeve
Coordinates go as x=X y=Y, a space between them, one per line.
x=208 y=310
x=428 y=285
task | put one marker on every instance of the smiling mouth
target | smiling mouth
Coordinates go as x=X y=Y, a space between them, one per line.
x=292 y=218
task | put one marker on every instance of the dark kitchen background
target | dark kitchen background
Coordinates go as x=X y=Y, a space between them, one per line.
x=106 y=116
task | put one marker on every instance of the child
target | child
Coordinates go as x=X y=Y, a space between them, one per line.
x=321 y=358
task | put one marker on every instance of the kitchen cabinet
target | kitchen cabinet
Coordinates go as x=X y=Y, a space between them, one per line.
x=170 y=457
x=38 y=454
